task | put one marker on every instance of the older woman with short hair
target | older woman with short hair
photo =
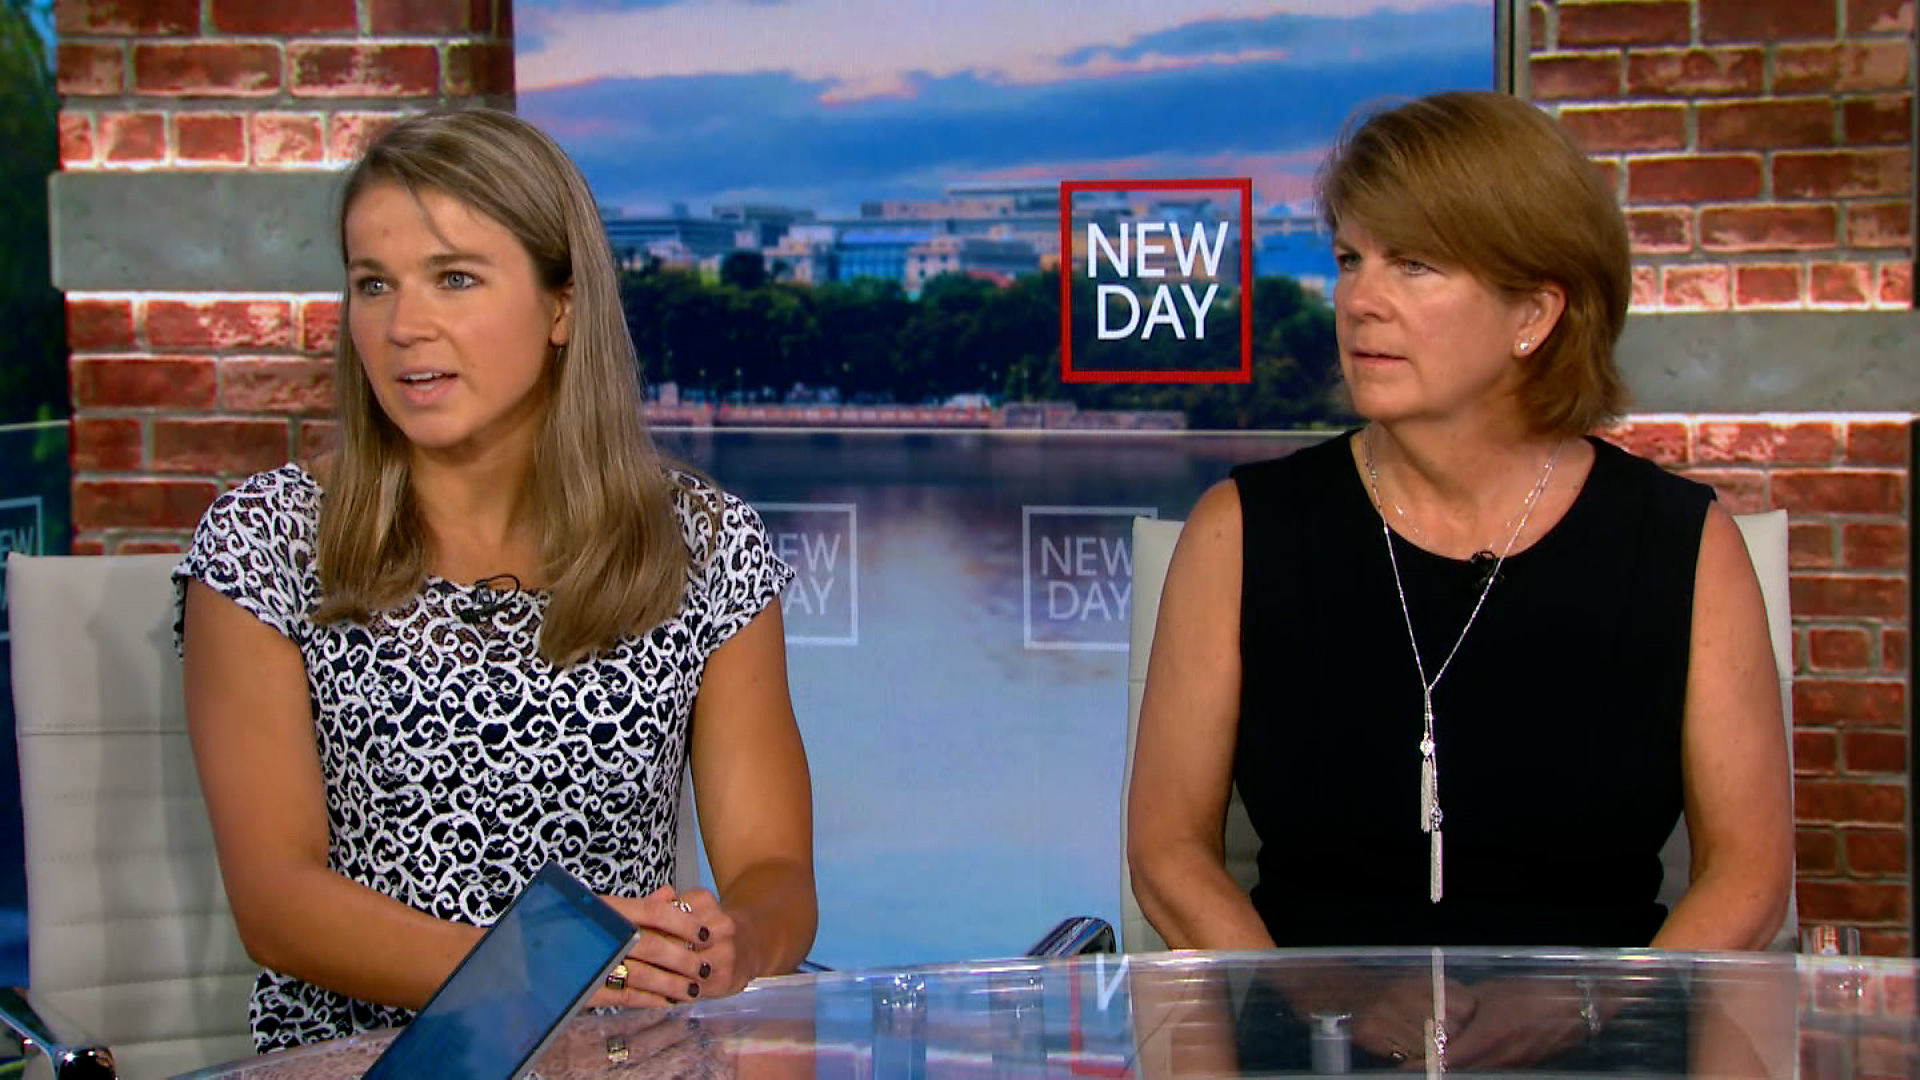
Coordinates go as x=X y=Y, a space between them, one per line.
x=1467 y=664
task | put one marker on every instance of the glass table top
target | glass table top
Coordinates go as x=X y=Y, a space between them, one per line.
x=1192 y=1015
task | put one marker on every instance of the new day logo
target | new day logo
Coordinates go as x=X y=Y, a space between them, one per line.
x=1150 y=269
x=1078 y=576
x=21 y=531
x=821 y=541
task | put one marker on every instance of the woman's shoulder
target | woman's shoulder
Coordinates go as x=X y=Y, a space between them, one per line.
x=1323 y=463
x=278 y=499
x=710 y=516
x=1642 y=479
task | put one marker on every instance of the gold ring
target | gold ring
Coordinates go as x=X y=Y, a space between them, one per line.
x=617 y=978
x=617 y=1052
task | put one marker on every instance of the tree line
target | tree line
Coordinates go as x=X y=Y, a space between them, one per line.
x=750 y=337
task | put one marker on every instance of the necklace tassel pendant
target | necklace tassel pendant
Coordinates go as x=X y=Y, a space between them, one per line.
x=1433 y=865
x=1429 y=796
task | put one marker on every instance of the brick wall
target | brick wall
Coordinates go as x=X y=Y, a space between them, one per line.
x=1764 y=152
x=177 y=393
x=1763 y=148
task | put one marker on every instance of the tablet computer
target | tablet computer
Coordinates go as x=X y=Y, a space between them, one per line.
x=509 y=998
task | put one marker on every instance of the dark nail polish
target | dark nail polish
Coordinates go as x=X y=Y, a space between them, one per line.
x=706 y=970
x=704 y=935
x=693 y=989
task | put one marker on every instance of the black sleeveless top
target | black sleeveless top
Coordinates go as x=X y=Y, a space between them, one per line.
x=1558 y=723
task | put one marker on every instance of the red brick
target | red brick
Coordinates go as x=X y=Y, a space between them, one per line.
x=86 y=546
x=1537 y=17
x=288 y=139
x=1842 y=174
x=1880 y=16
x=1852 y=901
x=1660 y=231
x=1624 y=22
x=1877 y=442
x=1896 y=285
x=1809 y=544
x=99 y=324
x=363 y=70
x=1765 y=125
x=210 y=138
x=1839 y=491
x=1695 y=72
x=1717 y=441
x=297 y=386
x=133 y=138
x=1695 y=288
x=500 y=21
x=122 y=382
x=1635 y=127
x=126 y=17
x=140 y=504
x=1840 y=284
x=1815 y=753
x=1841 y=648
x=1872 y=546
x=1762 y=285
x=479 y=68
x=90 y=70
x=1893 y=650
x=1843 y=800
x=106 y=444
x=1880 y=225
x=1768 y=228
x=1693 y=178
x=219 y=446
x=315 y=439
x=422 y=17
x=224 y=69
x=287 y=18
x=1816 y=851
x=1888 y=943
x=1850 y=703
x=319 y=325
x=219 y=324
x=1662 y=442
x=348 y=133
x=1883 y=118
x=1741 y=491
x=1844 y=597
x=1646 y=288
x=1559 y=77
x=1610 y=174
x=76 y=139
x=1866 y=65
x=1875 y=752
x=1766 y=20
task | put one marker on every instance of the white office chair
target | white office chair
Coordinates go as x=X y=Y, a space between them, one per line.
x=1153 y=543
x=128 y=929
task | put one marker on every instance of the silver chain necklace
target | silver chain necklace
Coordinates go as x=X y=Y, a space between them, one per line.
x=1430 y=815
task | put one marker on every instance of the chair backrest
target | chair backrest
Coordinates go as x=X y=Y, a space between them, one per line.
x=1153 y=542
x=1766 y=537
x=128 y=929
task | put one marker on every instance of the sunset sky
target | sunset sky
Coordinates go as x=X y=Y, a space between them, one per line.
x=826 y=103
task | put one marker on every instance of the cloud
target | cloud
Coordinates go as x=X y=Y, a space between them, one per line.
x=699 y=139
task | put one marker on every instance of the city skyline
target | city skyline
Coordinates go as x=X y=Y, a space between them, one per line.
x=829 y=105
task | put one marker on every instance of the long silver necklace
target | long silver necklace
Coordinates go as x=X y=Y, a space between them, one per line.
x=1430 y=816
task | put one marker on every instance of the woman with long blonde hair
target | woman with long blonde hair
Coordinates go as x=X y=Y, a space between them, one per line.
x=492 y=630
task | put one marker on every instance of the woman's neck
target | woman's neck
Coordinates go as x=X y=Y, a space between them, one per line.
x=476 y=515
x=1456 y=490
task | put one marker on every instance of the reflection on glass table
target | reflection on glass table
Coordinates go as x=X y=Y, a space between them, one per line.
x=1191 y=1015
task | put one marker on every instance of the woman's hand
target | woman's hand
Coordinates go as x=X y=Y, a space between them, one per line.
x=673 y=959
x=1518 y=1022
x=1392 y=1022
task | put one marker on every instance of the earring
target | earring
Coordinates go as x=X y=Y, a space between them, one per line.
x=1525 y=345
